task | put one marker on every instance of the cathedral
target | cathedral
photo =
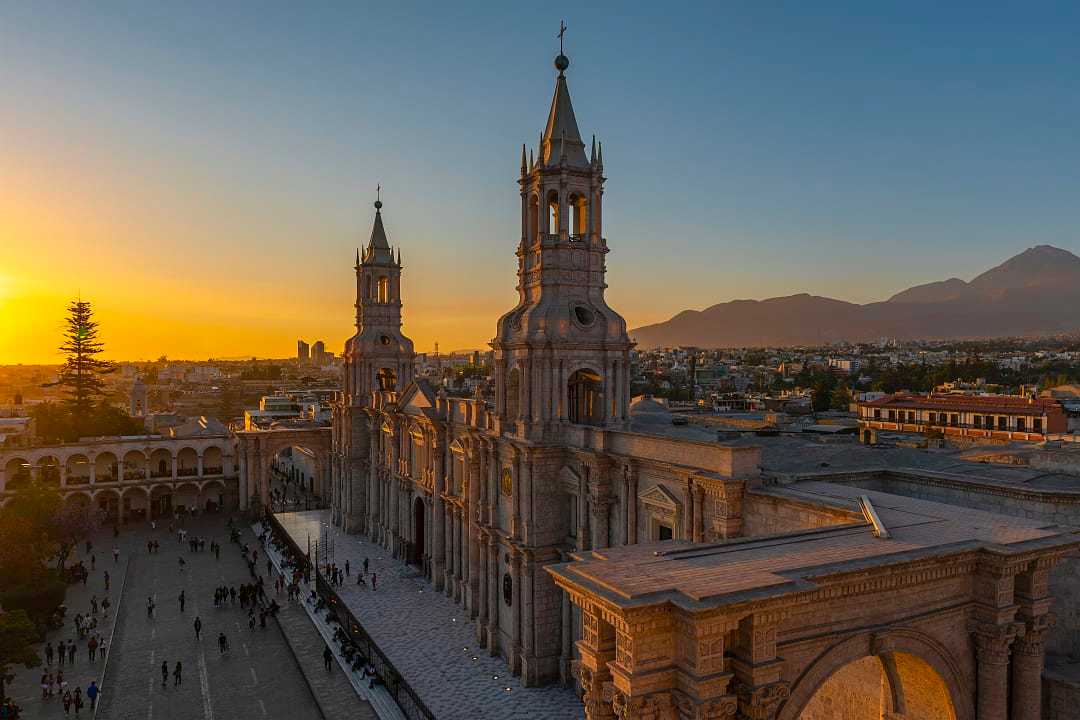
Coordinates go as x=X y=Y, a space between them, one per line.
x=656 y=567
x=480 y=497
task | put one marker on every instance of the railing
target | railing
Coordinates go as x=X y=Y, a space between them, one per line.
x=406 y=698
x=104 y=686
x=186 y=472
x=212 y=470
x=965 y=426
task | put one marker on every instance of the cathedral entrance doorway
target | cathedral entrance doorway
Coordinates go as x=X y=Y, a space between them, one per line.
x=418 y=549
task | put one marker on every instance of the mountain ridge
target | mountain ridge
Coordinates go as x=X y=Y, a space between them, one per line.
x=1034 y=292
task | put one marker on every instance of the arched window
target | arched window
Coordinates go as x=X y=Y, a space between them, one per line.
x=579 y=223
x=533 y=228
x=384 y=289
x=387 y=379
x=513 y=395
x=586 y=398
x=553 y=213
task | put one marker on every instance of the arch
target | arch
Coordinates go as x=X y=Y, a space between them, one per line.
x=48 y=467
x=552 y=218
x=135 y=503
x=383 y=289
x=533 y=222
x=134 y=465
x=161 y=463
x=586 y=397
x=187 y=462
x=579 y=223
x=213 y=462
x=917 y=677
x=185 y=497
x=108 y=502
x=78 y=498
x=387 y=379
x=106 y=467
x=419 y=517
x=161 y=500
x=513 y=394
x=212 y=495
x=16 y=473
x=77 y=470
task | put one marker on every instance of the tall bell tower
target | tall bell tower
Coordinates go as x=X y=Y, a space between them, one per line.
x=562 y=354
x=378 y=357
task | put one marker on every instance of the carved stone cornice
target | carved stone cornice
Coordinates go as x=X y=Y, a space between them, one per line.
x=992 y=642
x=718 y=708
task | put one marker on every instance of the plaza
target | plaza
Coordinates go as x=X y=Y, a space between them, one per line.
x=426 y=635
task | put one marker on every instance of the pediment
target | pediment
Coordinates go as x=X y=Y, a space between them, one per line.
x=415 y=401
x=660 y=496
x=457 y=447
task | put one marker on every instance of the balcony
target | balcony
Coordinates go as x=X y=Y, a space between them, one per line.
x=212 y=470
x=186 y=472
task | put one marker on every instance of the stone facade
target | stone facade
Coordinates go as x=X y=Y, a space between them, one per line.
x=132 y=476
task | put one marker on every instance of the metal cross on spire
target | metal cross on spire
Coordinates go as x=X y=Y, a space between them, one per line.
x=378 y=192
x=562 y=31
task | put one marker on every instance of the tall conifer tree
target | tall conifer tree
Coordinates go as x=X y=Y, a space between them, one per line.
x=82 y=371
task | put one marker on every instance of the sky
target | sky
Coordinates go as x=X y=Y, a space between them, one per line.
x=203 y=172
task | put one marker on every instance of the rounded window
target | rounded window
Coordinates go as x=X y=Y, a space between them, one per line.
x=385 y=339
x=584 y=315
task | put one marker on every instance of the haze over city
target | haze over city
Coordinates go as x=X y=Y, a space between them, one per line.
x=204 y=174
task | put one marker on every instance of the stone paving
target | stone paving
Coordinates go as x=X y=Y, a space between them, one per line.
x=428 y=637
x=258 y=678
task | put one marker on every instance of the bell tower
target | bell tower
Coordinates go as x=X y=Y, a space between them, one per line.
x=562 y=354
x=378 y=357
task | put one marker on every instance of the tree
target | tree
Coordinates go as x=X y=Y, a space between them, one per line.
x=17 y=639
x=841 y=398
x=82 y=370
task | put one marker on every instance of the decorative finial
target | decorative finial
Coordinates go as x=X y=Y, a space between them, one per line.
x=357 y=256
x=561 y=61
x=523 y=166
x=378 y=197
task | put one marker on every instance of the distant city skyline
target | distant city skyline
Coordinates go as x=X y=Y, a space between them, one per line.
x=203 y=175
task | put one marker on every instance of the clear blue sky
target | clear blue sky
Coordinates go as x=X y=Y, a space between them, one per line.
x=846 y=149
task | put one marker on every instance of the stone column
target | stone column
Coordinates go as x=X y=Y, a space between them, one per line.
x=481 y=586
x=448 y=550
x=697 y=534
x=1027 y=665
x=1033 y=597
x=582 y=514
x=493 y=595
x=199 y=465
x=515 y=650
x=757 y=668
x=992 y=644
x=528 y=622
x=632 y=507
x=597 y=650
x=566 y=648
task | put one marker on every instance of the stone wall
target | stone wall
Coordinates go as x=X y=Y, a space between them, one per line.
x=767 y=514
x=1061 y=695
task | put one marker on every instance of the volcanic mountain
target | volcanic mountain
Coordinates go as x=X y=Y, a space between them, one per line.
x=1034 y=293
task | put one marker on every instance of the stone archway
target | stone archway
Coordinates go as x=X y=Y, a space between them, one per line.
x=903 y=674
x=258 y=448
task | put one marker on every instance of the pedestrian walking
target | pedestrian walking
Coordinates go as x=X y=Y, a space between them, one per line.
x=150 y=606
x=223 y=643
x=374 y=579
x=182 y=563
x=93 y=562
x=46 y=683
x=346 y=568
x=251 y=619
x=91 y=648
x=106 y=581
x=71 y=653
x=115 y=555
x=92 y=692
x=48 y=653
x=327 y=657
x=105 y=606
x=198 y=627
x=61 y=649
x=77 y=701
x=164 y=673
x=177 y=677
x=181 y=599
x=67 y=703
x=365 y=566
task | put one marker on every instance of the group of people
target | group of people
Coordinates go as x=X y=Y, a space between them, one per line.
x=55 y=685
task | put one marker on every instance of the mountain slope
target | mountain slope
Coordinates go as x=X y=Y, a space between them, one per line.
x=1035 y=292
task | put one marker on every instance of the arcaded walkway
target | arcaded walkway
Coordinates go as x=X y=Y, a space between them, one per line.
x=428 y=637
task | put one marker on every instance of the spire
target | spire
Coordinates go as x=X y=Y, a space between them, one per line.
x=600 y=156
x=592 y=155
x=524 y=168
x=561 y=135
x=378 y=249
x=357 y=257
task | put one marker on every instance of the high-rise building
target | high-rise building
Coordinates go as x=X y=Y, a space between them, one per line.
x=318 y=353
x=303 y=356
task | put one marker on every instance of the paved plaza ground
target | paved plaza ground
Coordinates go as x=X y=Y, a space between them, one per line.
x=259 y=678
x=428 y=637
